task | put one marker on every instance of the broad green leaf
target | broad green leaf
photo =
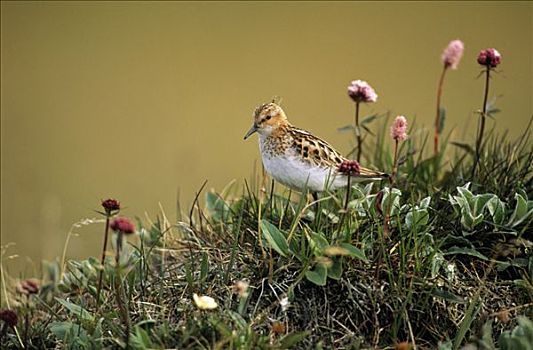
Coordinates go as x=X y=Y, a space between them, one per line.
x=520 y=212
x=486 y=341
x=497 y=210
x=288 y=341
x=424 y=203
x=275 y=238
x=318 y=242
x=141 y=339
x=335 y=270
x=62 y=330
x=480 y=201
x=216 y=206
x=444 y=294
x=318 y=275
x=76 y=310
x=466 y=251
x=436 y=263
x=416 y=217
x=354 y=252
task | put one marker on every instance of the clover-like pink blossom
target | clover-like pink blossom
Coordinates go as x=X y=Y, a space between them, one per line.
x=350 y=167
x=123 y=225
x=361 y=91
x=398 y=129
x=489 y=57
x=451 y=56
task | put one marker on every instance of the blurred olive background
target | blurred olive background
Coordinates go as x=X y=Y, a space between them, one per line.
x=141 y=100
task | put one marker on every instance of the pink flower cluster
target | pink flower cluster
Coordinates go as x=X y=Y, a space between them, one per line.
x=123 y=225
x=350 y=167
x=489 y=57
x=111 y=205
x=452 y=54
x=398 y=129
x=9 y=317
x=361 y=91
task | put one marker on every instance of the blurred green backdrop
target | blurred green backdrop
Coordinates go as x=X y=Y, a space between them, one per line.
x=137 y=100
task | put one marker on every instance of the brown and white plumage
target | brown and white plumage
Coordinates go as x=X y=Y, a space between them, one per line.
x=297 y=158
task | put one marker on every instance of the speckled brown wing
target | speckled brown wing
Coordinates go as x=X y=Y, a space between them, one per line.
x=318 y=152
x=314 y=150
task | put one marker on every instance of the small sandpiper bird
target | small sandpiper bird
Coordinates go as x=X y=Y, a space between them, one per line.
x=298 y=159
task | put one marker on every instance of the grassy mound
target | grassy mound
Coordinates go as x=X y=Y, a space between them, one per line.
x=441 y=259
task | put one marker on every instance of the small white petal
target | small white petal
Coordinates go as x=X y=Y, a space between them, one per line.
x=284 y=304
x=204 y=302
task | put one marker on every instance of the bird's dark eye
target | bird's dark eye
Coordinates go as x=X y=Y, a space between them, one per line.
x=268 y=117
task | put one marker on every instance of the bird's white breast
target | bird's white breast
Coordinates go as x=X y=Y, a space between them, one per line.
x=290 y=170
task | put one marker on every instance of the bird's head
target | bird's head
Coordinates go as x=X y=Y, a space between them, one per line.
x=267 y=118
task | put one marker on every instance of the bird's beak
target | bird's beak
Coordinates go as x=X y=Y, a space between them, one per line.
x=251 y=131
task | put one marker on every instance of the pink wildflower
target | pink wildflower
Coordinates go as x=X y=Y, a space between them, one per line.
x=489 y=57
x=9 y=317
x=350 y=167
x=452 y=54
x=110 y=205
x=361 y=91
x=398 y=130
x=123 y=225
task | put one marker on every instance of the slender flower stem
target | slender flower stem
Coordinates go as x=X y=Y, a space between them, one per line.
x=123 y=305
x=392 y=180
x=358 y=132
x=346 y=201
x=479 y=142
x=102 y=261
x=437 y=117
x=119 y=247
x=395 y=164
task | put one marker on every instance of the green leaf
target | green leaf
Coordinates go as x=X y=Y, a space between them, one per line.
x=354 y=252
x=318 y=275
x=497 y=210
x=216 y=206
x=345 y=128
x=335 y=270
x=62 y=330
x=292 y=339
x=486 y=341
x=141 y=339
x=466 y=251
x=520 y=211
x=466 y=194
x=480 y=201
x=318 y=242
x=470 y=315
x=444 y=294
x=368 y=119
x=204 y=267
x=464 y=146
x=424 y=203
x=275 y=238
x=76 y=310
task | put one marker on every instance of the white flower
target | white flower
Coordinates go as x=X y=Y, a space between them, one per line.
x=204 y=302
x=284 y=304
